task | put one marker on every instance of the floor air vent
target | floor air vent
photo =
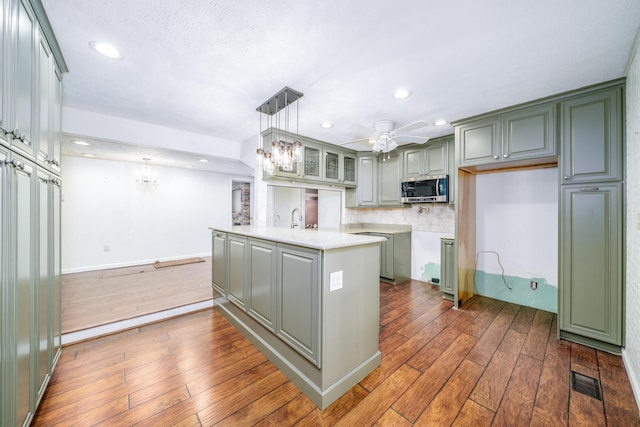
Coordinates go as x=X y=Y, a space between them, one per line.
x=585 y=385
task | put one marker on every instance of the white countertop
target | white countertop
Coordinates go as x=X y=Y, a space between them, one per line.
x=310 y=238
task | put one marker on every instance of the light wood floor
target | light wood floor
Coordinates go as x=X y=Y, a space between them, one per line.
x=489 y=363
x=100 y=297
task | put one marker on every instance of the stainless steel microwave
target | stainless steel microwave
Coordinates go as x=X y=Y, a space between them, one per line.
x=426 y=189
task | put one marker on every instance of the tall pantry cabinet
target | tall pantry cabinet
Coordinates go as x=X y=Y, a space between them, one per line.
x=31 y=68
x=591 y=289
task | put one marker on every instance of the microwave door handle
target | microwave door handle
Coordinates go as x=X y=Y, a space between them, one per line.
x=438 y=187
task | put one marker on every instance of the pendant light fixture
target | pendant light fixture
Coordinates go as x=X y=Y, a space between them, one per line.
x=284 y=154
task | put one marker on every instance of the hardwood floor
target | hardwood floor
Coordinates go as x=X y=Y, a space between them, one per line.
x=101 y=297
x=489 y=363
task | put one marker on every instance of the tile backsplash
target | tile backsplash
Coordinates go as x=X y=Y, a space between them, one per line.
x=433 y=217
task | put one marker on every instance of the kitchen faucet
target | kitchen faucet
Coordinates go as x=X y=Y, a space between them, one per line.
x=293 y=225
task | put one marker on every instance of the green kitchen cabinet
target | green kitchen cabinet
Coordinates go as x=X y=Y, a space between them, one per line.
x=433 y=159
x=237 y=269
x=262 y=282
x=367 y=190
x=591 y=147
x=219 y=263
x=299 y=300
x=447 y=266
x=332 y=165
x=389 y=179
x=311 y=162
x=349 y=168
x=518 y=135
x=591 y=295
x=478 y=141
x=395 y=256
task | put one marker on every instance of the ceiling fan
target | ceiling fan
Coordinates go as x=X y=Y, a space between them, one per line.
x=387 y=138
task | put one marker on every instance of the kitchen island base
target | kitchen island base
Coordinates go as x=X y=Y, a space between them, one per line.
x=296 y=368
x=308 y=300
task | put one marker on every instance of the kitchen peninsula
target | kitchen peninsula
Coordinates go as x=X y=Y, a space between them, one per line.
x=307 y=299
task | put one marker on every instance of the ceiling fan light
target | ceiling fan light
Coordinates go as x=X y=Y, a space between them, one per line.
x=402 y=93
x=391 y=145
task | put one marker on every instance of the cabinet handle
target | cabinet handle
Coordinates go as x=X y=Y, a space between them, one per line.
x=587 y=189
x=505 y=156
x=16 y=133
x=448 y=243
x=17 y=164
x=567 y=178
x=496 y=157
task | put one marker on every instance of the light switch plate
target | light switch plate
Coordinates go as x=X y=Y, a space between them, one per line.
x=335 y=281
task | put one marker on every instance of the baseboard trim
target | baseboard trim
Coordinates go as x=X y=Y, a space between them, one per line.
x=123 y=325
x=131 y=263
x=632 y=374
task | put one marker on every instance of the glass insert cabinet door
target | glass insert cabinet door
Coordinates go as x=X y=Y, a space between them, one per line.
x=311 y=161
x=349 y=169
x=331 y=165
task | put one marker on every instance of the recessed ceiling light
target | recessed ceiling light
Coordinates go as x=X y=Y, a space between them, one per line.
x=402 y=93
x=88 y=155
x=440 y=122
x=81 y=143
x=326 y=125
x=105 y=50
x=204 y=160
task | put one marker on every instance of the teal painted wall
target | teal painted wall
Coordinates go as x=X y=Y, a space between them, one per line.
x=492 y=285
x=429 y=271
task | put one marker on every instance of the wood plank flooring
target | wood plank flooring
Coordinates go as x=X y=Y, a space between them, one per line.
x=489 y=363
x=100 y=297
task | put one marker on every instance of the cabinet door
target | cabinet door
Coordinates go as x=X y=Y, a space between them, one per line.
x=437 y=159
x=262 y=282
x=56 y=271
x=25 y=71
x=349 y=169
x=311 y=162
x=22 y=261
x=219 y=262
x=332 y=161
x=55 y=127
x=367 y=191
x=413 y=163
x=43 y=285
x=45 y=71
x=389 y=180
x=479 y=142
x=590 y=288
x=446 y=266
x=298 y=316
x=529 y=133
x=591 y=148
x=386 y=255
x=4 y=127
x=238 y=270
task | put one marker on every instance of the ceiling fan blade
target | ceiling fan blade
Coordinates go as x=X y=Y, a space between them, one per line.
x=412 y=126
x=411 y=139
x=355 y=141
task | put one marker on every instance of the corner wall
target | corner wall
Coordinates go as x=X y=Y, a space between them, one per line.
x=631 y=351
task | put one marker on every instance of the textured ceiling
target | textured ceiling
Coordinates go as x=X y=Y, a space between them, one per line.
x=204 y=65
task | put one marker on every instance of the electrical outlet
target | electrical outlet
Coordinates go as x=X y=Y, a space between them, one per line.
x=534 y=285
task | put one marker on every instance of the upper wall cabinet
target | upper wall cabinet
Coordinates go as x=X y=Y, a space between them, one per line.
x=389 y=179
x=22 y=123
x=430 y=160
x=592 y=137
x=523 y=134
x=321 y=163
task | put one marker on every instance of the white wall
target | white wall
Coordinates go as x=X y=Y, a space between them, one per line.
x=517 y=217
x=631 y=352
x=103 y=205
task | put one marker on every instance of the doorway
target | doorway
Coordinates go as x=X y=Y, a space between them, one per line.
x=240 y=203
